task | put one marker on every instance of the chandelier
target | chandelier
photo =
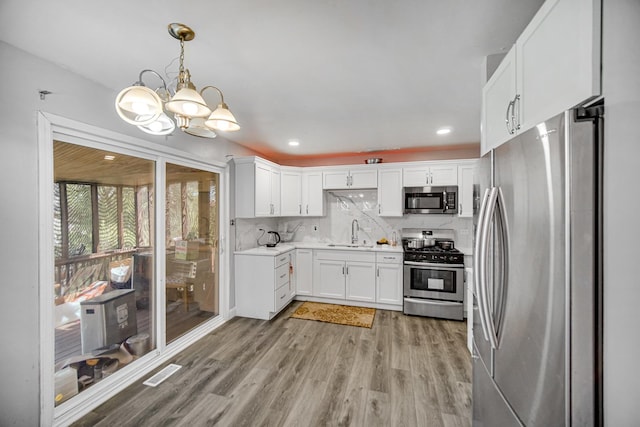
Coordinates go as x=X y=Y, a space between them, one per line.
x=149 y=109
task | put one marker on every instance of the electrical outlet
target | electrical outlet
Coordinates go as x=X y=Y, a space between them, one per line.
x=464 y=232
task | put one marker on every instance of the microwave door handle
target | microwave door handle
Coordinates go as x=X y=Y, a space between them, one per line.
x=444 y=200
x=478 y=260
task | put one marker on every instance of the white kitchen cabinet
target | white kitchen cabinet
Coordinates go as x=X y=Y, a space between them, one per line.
x=304 y=272
x=466 y=173
x=329 y=278
x=263 y=284
x=290 y=192
x=360 y=281
x=566 y=35
x=425 y=175
x=275 y=192
x=498 y=95
x=554 y=66
x=257 y=188
x=390 y=192
x=312 y=193
x=389 y=274
x=344 y=275
x=342 y=179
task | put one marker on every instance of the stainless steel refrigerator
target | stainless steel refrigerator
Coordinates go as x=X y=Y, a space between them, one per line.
x=537 y=269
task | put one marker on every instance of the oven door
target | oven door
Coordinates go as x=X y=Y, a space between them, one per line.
x=435 y=281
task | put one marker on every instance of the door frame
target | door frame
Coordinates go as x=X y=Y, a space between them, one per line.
x=50 y=127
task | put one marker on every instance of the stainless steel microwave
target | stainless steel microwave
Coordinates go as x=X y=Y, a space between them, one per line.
x=431 y=200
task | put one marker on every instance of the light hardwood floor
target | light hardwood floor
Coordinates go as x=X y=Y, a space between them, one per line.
x=404 y=371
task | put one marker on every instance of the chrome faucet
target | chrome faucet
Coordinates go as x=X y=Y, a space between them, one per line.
x=355 y=227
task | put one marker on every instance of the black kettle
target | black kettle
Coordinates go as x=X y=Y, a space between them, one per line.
x=273 y=238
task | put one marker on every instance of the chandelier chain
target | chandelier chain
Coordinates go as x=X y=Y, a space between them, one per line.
x=181 y=56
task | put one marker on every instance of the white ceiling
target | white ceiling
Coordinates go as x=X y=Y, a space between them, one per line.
x=340 y=76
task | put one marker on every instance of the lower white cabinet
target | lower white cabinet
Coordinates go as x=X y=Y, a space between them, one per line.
x=264 y=285
x=329 y=278
x=344 y=275
x=303 y=271
x=360 y=281
x=389 y=278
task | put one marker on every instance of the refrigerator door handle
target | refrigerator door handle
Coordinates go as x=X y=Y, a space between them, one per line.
x=484 y=249
x=479 y=260
x=503 y=282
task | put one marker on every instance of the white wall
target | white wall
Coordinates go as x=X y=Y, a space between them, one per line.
x=23 y=75
x=621 y=88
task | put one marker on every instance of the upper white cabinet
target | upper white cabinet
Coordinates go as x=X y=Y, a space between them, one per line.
x=554 y=65
x=291 y=192
x=341 y=179
x=466 y=171
x=312 y=195
x=257 y=188
x=420 y=176
x=498 y=96
x=390 y=192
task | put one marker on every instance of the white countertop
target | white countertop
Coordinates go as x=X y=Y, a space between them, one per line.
x=282 y=248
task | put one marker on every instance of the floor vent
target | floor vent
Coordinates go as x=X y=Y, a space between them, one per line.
x=162 y=375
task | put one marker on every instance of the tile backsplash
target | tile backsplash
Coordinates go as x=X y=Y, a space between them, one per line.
x=342 y=207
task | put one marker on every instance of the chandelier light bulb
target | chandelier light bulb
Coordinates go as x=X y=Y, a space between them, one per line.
x=163 y=125
x=189 y=109
x=140 y=108
x=138 y=105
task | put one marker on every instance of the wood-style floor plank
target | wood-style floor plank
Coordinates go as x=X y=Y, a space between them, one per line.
x=404 y=371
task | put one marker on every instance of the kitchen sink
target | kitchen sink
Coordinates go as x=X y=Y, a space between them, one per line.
x=346 y=245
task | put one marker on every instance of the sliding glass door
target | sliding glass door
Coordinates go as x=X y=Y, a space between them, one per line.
x=103 y=242
x=191 y=239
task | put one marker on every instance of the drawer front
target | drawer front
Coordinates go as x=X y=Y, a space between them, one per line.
x=282 y=259
x=282 y=275
x=389 y=258
x=282 y=297
x=346 y=255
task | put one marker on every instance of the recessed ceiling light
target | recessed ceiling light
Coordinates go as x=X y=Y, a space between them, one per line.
x=443 y=131
x=294 y=143
x=109 y=157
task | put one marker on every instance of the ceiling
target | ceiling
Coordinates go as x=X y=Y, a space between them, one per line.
x=338 y=76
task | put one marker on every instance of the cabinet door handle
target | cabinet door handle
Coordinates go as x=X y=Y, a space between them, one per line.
x=307 y=209
x=300 y=209
x=343 y=271
x=347 y=270
x=378 y=272
x=379 y=208
x=515 y=117
x=427 y=177
x=507 y=118
x=460 y=209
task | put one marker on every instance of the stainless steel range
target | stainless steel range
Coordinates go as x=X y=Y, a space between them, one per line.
x=433 y=276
